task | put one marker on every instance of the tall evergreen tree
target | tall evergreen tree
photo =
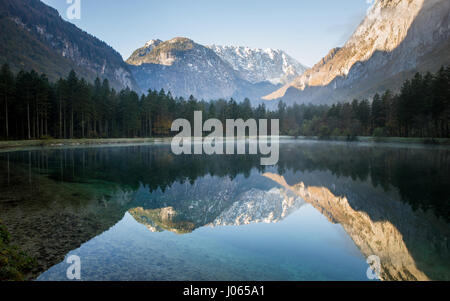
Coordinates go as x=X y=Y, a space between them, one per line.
x=6 y=93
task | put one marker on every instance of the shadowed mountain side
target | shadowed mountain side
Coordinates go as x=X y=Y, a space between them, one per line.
x=34 y=36
x=402 y=240
x=182 y=79
x=186 y=68
x=424 y=48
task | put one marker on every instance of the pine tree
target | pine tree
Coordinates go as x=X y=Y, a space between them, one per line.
x=6 y=92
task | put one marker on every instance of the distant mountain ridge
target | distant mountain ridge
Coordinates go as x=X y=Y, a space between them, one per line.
x=259 y=65
x=186 y=68
x=396 y=39
x=34 y=36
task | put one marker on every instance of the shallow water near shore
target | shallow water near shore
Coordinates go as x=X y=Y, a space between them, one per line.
x=138 y=212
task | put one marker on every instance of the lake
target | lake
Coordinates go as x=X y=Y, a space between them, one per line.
x=324 y=212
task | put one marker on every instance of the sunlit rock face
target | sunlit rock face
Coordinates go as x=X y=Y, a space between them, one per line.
x=384 y=227
x=396 y=39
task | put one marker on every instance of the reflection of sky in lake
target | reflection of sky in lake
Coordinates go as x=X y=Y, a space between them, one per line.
x=304 y=246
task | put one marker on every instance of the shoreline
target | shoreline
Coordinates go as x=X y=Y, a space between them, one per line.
x=380 y=140
x=45 y=143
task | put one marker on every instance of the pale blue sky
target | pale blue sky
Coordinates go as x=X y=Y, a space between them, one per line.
x=305 y=29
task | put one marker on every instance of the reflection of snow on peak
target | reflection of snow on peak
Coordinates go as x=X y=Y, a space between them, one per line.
x=257 y=206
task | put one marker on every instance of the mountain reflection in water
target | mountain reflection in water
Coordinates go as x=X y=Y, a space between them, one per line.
x=391 y=201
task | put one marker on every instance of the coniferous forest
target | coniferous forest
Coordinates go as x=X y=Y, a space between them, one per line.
x=32 y=107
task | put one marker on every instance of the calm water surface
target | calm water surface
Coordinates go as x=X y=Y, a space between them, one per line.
x=138 y=212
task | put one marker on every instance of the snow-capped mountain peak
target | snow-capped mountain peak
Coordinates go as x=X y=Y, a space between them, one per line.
x=258 y=65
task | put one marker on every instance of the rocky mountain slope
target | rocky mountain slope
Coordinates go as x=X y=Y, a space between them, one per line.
x=186 y=68
x=34 y=36
x=259 y=65
x=396 y=39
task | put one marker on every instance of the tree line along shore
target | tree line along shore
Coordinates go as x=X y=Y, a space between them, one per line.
x=33 y=108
